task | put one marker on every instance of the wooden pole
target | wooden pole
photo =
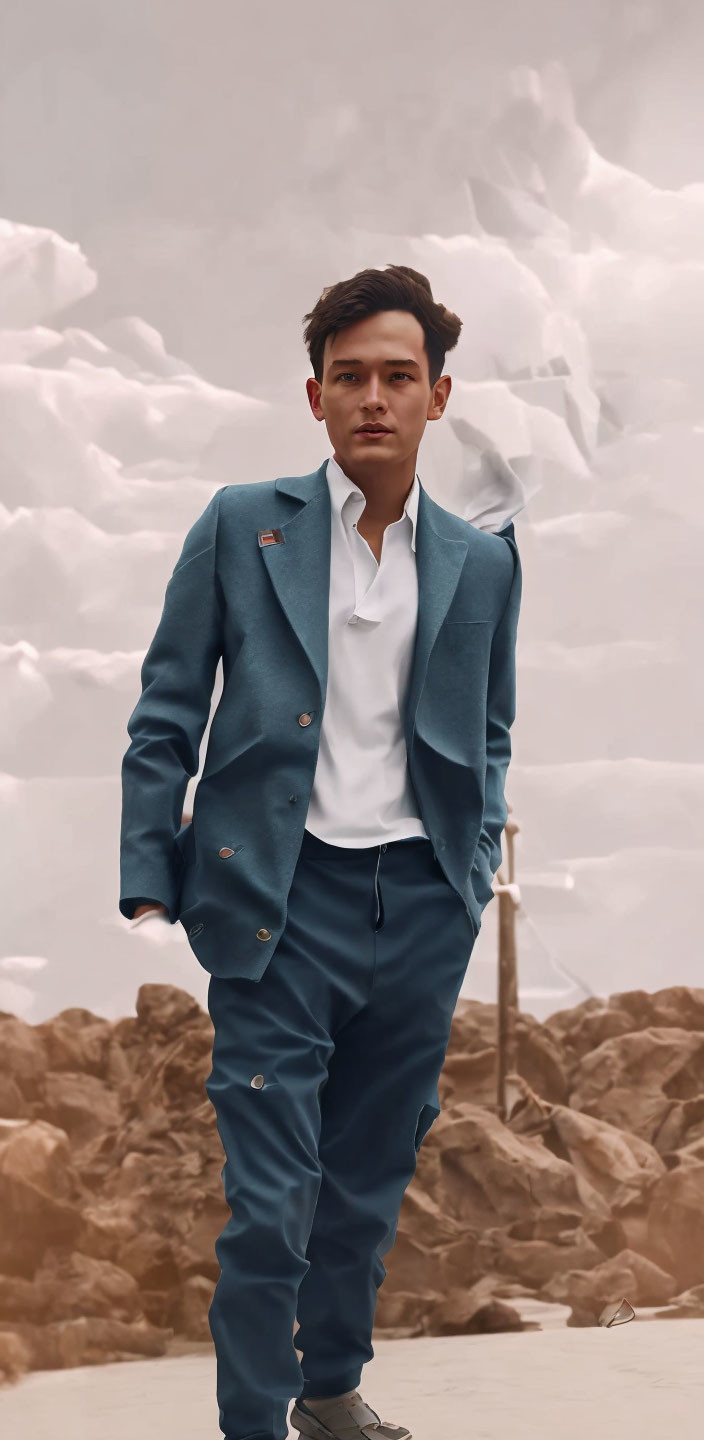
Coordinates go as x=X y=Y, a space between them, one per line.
x=507 y=1000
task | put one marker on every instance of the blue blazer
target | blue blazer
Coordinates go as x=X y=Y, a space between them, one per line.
x=263 y=608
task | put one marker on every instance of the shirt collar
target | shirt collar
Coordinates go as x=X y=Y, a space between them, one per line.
x=341 y=487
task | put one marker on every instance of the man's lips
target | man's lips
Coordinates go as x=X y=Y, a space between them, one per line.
x=375 y=430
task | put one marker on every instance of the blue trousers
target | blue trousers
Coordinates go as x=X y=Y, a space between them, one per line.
x=324 y=1083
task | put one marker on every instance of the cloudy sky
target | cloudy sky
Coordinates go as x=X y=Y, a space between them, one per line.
x=178 y=183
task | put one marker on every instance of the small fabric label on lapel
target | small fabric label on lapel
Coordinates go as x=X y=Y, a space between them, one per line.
x=270 y=537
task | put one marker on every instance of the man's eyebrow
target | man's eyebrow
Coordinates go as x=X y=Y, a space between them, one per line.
x=414 y=363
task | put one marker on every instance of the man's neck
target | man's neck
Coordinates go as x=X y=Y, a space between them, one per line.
x=385 y=491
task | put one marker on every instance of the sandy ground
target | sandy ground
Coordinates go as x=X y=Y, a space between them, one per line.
x=640 y=1381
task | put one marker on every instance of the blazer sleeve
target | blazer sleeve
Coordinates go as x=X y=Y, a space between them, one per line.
x=167 y=724
x=500 y=715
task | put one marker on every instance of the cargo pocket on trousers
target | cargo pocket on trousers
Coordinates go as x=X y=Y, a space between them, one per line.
x=427 y=1117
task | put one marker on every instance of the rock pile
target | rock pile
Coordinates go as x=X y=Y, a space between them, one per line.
x=111 y=1189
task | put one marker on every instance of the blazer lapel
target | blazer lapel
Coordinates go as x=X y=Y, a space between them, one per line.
x=298 y=564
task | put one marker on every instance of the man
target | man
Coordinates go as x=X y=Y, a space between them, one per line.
x=345 y=833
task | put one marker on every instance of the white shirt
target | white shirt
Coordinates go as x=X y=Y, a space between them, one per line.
x=362 y=792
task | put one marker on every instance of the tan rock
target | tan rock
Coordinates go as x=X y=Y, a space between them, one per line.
x=107 y=1226
x=591 y=1030
x=539 y=1059
x=687 y=1153
x=39 y=1153
x=477 y=1311
x=15 y=1355
x=71 y=1284
x=682 y=1126
x=178 y=1079
x=410 y=1265
x=92 y=1340
x=82 y=1105
x=13 y=1104
x=585 y=1026
x=592 y=1186
x=617 y=1163
x=676 y=1223
x=625 y=1275
x=534 y=1262
x=632 y=1080
x=588 y=1291
x=76 y=1040
x=149 y=1257
x=489 y=1173
x=675 y=1007
x=469 y=1077
x=32 y=1221
x=689 y=1304
x=628 y=1229
x=456 y=1264
x=24 y=1055
x=565 y=1023
x=469 y=1072
x=191 y=1305
x=20 y=1299
x=422 y=1211
x=193 y=1249
x=401 y=1314
x=653 y=1285
x=473 y=1026
x=162 y=1010
x=134 y=1173
x=557 y=1226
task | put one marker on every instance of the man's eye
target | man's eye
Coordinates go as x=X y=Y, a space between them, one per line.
x=396 y=372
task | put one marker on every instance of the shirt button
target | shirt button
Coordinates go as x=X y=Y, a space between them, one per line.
x=353 y=619
x=304 y=719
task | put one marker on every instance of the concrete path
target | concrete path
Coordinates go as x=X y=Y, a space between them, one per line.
x=640 y=1381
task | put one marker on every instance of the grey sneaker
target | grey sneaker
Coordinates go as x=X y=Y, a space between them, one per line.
x=344 y=1417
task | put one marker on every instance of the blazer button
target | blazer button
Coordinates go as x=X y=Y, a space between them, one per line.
x=256 y=1082
x=225 y=852
x=196 y=929
x=263 y=934
x=304 y=719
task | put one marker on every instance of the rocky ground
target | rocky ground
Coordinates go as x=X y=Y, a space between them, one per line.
x=593 y=1190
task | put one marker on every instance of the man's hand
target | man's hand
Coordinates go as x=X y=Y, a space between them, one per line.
x=152 y=905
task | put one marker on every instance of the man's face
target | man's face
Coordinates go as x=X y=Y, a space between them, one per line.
x=360 y=384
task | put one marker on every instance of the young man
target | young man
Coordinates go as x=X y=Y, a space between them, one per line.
x=346 y=830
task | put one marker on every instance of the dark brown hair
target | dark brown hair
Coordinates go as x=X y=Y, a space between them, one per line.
x=370 y=291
